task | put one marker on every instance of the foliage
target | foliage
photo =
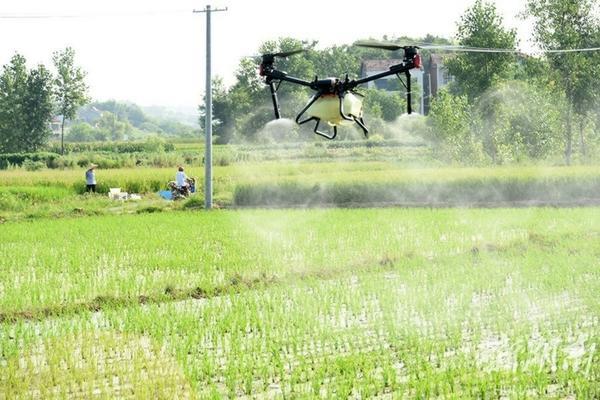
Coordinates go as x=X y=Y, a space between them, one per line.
x=25 y=106
x=71 y=89
x=450 y=129
x=149 y=145
x=18 y=159
x=499 y=190
x=123 y=111
x=383 y=104
x=513 y=121
x=117 y=128
x=518 y=121
x=564 y=24
x=129 y=116
x=84 y=132
x=481 y=26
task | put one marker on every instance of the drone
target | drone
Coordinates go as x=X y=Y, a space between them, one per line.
x=336 y=101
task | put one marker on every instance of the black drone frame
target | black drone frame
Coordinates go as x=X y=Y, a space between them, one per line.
x=334 y=86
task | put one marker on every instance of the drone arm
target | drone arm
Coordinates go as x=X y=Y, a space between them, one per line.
x=298 y=81
x=274 y=74
x=394 y=70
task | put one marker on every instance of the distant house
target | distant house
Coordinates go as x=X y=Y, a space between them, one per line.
x=55 y=126
x=430 y=79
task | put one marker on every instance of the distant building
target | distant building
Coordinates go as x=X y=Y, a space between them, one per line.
x=430 y=79
x=55 y=125
x=437 y=76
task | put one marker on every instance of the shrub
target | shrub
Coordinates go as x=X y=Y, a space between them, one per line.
x=17 y=159
x=194 y=202
x=149 y=210
x=30 y=165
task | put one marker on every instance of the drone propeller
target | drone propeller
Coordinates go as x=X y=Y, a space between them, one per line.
x=270 y=57
x=285 y=54
x=380 y=45
x=463 y=49
x=394 y=47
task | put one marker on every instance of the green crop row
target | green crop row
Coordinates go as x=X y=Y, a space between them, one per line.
x=473 y=304
x=166 y=255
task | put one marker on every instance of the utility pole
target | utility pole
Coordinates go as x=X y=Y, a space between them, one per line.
x=208 y=192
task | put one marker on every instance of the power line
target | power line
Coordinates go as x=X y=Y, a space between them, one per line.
x=92 y=15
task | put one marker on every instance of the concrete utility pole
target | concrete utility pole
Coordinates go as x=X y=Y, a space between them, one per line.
x=208 y=192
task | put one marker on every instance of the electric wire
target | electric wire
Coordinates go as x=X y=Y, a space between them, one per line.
x=92 y=15
x=510 y=51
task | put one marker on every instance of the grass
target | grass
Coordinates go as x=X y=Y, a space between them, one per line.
x=307 y=183
x=450 y=303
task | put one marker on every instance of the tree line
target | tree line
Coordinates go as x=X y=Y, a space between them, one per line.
x=507 y=107
x=102 y=121
x=30 y=98
x=499 y=108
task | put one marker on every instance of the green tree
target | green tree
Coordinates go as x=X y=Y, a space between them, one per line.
x=25 y=106
x=481 y=26
x=81 y=132
x=564 y=24
x=71 y=89
x=450 y=129
x=117 y=129
x=223 y=112
x=39 y=107
x=384 y=104
x=518 y=121
x=124 y=111
x=13 y=87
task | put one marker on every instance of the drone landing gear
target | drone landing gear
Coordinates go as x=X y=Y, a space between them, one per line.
x=408 y=91
x=317 y=131
x=360 y=122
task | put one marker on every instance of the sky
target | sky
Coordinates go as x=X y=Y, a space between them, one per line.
x=152 y=52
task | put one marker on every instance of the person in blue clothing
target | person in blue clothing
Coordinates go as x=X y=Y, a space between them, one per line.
x=90 y=179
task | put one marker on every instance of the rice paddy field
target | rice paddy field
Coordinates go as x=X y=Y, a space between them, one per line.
x=27 y=195
x=447 y=303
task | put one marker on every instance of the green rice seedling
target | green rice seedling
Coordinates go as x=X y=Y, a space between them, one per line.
x=452 y=303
